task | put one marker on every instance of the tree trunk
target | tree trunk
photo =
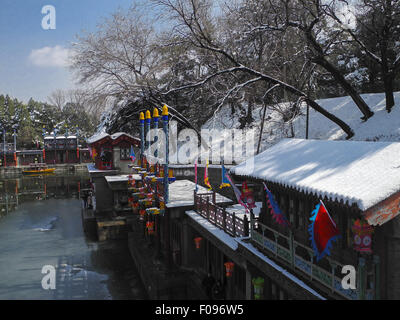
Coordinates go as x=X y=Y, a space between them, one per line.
x=312 y=103
x=388 y=82
x=365 y=110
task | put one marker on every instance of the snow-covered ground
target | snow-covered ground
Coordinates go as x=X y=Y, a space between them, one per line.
x=382 y=126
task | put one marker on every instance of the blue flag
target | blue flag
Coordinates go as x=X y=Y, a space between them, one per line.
x=225 y=181
x=276 y=212
x=132 y=154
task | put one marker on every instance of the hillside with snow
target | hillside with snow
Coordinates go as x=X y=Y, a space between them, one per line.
x=382 y=126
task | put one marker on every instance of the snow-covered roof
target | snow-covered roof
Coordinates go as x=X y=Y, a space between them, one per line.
x=97 y=137
x=181 y=193
x=364 y=173
x=122 y=178
x=118 y=134
x=102 y=135
x=92 y=169
x=71 y=137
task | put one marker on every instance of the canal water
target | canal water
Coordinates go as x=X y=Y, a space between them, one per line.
x=40 y=225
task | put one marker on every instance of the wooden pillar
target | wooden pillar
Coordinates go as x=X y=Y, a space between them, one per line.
x=248 y=284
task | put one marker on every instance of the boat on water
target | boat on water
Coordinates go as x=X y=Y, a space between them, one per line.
x=38 y=168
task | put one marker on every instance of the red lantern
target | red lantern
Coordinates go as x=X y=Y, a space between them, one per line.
x=197 y=242
x=141 y=215
x=150 y=227
x=229 y=268
x=362 y=236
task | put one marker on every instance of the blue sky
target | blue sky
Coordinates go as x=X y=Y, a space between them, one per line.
x=30 y=57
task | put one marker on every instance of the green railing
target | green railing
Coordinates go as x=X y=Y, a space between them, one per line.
x=306 y=266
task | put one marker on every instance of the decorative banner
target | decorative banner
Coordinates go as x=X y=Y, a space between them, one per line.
x=206 y=181
x=94 y=154
x=197 y=242
x=229 y=266
x=247 y=196
x=225 y=181
x=237 y=192
x=77 y=153
x=276 y=212
x=362 y=236
x=323 y=231
x=195 y=176
x=150 y=227
x=44 y=155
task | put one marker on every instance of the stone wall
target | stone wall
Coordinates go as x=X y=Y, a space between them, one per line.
x=123 y=165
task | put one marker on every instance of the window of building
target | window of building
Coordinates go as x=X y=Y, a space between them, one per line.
x=125 y=154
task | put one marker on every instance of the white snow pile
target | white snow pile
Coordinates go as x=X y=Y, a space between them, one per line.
x=364 y=173
x=181 y=193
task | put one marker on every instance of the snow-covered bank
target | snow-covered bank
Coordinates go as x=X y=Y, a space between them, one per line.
x=382 y=126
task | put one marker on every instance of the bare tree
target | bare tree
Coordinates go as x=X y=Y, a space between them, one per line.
x=195 y=27
x=120 y=58
x=309 y=17
x=376 y=32
x=57 y=98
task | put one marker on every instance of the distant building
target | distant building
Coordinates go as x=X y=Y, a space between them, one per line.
x=112 y=152
x=61 y=149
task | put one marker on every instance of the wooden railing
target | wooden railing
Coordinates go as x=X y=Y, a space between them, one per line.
x=227 y=221
x=286 y=248
x=289 y=254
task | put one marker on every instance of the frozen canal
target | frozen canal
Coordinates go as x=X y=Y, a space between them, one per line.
x=40 y=224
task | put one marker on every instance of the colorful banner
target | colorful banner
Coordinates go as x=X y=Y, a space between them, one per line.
x=225 y=181
x=94 y=154
x=276 y=212
x=206 y=181
x=247 y=196
x=237 y=192
x=362 y=232
x=195 y=176
x=132 y=154
x=323 y=231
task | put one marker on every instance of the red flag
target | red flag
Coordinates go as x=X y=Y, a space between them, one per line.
x=323 y=231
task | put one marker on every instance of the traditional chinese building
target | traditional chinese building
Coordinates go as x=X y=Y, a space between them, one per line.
x=8 y=156
x=61 y=149
x=359 y=184
x=112 y=152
